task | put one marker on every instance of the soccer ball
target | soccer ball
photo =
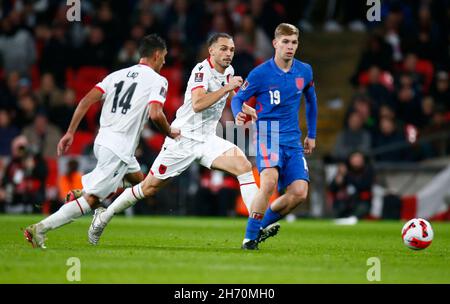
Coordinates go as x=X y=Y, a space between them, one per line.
x=417 y=234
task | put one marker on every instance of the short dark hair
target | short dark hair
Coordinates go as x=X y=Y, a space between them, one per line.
x=150 y=44
x=214 y=37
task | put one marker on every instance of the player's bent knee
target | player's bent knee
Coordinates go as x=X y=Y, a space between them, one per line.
x=268 y=187
x=295 y=199
x=300 y=196
x=298 y=191
x=244 y=165
x=92 y=200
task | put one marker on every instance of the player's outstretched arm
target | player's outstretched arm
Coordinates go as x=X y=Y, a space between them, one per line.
x=89 y=99
x=202 y=100
x=158 y=117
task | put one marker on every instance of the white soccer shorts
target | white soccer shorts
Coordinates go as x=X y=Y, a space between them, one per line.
x=177 y=155
x=108 y=174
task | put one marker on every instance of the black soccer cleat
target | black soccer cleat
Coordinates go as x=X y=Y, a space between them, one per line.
x=250 y=245
x=268 y=232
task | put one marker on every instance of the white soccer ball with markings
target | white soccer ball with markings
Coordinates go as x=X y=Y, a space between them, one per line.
x=417 y=234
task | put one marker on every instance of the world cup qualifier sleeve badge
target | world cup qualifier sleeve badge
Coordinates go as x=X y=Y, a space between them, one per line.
x=198 y=77
x=244 y=85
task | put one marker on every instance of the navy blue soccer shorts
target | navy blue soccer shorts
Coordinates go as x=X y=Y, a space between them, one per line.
x=290 y=161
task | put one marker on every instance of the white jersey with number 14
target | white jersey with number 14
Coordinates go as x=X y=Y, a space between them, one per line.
x=127 y=94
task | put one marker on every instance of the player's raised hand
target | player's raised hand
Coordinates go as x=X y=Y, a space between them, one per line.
x=309 y=145
x=246 y=109
x=64 y=143
x=235 y=82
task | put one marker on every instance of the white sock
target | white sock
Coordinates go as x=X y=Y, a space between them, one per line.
x=66 y=214
x=128 y=198
x=248 y=188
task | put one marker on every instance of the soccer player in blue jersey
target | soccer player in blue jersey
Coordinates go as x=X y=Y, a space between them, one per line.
x=278 y=85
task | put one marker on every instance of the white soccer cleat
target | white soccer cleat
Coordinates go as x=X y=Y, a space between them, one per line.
x=33 y=235
x=97 y=226
x=268 y=232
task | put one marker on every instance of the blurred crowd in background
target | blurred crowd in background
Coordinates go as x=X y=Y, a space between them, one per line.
x=47 y=64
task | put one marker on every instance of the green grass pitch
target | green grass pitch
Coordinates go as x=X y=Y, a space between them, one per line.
x=206 y=250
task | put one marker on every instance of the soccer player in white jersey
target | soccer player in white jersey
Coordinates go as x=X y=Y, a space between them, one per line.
x=211 y=84
x=127 y=94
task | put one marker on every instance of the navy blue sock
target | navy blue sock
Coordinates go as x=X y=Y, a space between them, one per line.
x=253 y=227
x=270 y=217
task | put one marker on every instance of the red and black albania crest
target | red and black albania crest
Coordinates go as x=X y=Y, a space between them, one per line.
x=162 y=169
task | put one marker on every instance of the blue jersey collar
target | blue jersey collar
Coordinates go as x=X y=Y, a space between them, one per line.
x=280 y=71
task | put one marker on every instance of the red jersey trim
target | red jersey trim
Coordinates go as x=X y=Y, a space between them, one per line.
x=155 y=101
x=197 y=87
x=245 y=184
x=210 y=64
x=100 y=89
x=144 y=64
